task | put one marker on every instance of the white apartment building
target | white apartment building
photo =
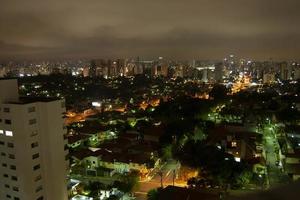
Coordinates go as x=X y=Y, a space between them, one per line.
x=33 y=157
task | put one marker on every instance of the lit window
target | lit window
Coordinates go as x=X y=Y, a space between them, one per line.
x=9 y=133
x=233 y=144
x=1 y=132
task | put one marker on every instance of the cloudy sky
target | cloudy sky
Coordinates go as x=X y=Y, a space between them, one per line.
x=258 y=29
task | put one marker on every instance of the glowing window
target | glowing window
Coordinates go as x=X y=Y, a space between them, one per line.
x=1 y=132
x=9 y=133
x=233 y=144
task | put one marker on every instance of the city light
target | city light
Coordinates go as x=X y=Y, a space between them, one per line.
x=135 y=100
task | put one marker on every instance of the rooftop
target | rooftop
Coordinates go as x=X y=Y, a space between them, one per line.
x=74 y=138
x=28 y=100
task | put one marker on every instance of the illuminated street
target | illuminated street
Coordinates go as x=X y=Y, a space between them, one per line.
x=274 y=163
x=167 y=173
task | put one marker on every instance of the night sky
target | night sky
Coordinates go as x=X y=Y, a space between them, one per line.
x=182 y=29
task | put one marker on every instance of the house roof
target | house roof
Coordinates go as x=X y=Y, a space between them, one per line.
x=91 y=128
x=81 y=154
x=74 y=138
x=120 y=144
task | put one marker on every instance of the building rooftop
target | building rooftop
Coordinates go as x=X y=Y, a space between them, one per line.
x=74 y=138
x=29 y=100
x=91 y=128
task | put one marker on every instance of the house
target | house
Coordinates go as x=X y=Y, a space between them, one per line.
x=119 y=162
x=118 y=156
x=241 y=144
x=291 y=164
x=76 y=140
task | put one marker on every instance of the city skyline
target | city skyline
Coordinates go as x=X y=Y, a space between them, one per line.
x=173 y=29
x=149 y=100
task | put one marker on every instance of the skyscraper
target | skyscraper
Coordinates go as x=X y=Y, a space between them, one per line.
x=33 y=164
x=219 y=72
x=93 y=69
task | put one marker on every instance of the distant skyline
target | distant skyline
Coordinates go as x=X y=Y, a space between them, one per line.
x=200 y=29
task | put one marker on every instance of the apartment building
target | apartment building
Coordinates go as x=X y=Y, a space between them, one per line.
x=33 y=157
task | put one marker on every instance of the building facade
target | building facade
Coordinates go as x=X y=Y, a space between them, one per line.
x=33 y=163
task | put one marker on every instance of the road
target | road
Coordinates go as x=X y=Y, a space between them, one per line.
x=166 y=174
x=275 y=174
x=270 y=145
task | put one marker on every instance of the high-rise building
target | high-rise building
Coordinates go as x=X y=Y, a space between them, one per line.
x=33 y=158
x=268 y=78
x=285 y=71
x=297 y=72
x=120 y=67
x=85 y=71
x=219 y=72
x=93 y=69
x=160 y=68
x=138 y=68
x=204 y=75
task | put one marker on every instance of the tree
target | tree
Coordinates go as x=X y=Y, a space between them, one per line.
x=95 y=187
x=167 y=152
x=219 y=92
x=128 y=182
x=199 y=134
x=215 y=162
x=244 y=178
x=153 y=194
